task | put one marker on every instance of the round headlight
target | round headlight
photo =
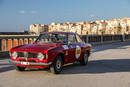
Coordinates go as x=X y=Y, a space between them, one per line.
x=40 y=56
x=14 y=55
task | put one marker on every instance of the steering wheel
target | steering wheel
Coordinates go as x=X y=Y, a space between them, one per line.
x=59 y=41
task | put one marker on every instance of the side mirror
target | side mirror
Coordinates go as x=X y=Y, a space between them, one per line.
x=69 y=43
x=84 y=42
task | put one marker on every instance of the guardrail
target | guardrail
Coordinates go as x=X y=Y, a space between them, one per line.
x=97 y=39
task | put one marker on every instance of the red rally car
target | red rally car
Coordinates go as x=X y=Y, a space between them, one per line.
x=51 y=49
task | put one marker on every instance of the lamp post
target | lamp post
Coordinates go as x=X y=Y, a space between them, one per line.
x=97 y=28
x=102 y=36
x=123 y=34
x=87 y=37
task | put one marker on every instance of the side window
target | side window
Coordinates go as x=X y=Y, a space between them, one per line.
x=79 y=39
x=71 y=38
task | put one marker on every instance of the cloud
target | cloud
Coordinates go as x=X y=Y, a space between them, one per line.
x=28 y=12
x=33 y=12
x=22 y=12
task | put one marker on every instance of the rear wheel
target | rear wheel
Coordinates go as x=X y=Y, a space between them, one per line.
x=57 y=66
x=84 y=60
x=18 y=68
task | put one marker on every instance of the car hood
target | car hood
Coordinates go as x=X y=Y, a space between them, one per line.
x=35 y=47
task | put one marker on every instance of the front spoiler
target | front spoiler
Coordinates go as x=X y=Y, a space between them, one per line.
x=29 y=63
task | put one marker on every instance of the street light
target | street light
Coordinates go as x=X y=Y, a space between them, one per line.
x=123 y=33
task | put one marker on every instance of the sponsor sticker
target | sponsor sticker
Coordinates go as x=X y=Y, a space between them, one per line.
x=77 y=52
x=66 y=53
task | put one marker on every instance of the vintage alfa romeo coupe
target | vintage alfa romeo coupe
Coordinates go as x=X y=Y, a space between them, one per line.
x=52 y=50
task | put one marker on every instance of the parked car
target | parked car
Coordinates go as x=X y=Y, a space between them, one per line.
x=51 y=49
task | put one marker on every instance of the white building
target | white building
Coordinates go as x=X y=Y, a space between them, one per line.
x=37 y=28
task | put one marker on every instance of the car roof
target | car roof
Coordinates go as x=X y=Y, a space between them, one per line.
x=59 y=32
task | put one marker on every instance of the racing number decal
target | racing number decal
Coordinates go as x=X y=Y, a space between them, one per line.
x=77 y=52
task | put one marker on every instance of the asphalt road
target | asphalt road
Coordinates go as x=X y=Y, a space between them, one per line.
x=109 y=66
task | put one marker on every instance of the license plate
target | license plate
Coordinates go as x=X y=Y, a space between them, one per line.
x=25 y=63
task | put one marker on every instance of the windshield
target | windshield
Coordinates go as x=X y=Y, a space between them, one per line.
x=52 y=38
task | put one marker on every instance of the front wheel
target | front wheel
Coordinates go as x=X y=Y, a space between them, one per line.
x=57 y=66
x=84 y=60
x=18 y=68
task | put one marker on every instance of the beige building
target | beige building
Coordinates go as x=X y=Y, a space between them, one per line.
x=114 y=26
x=102 y=28
x=85 y=29
x=125 y=25
x=64 y=27
x=37 y=28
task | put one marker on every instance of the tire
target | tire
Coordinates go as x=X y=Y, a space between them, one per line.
x=84 y=60
x=57 y=66
x=18 y=68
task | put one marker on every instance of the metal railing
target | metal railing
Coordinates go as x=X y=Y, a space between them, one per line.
x=95 y=39
x=10 y=41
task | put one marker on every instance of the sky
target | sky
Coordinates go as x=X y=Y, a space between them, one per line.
x=17 y=15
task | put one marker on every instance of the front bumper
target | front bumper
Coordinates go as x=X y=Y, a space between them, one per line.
x=29 y=63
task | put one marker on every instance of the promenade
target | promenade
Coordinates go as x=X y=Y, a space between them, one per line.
x=109 y=66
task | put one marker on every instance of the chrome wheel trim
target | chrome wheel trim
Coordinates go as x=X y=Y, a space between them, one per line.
x=85 y=58
x=58 y=64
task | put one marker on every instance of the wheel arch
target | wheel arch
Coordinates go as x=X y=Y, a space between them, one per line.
x=88 y=52
x=62 y=56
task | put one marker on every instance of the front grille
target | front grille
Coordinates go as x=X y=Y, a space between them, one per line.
x=27 y=55
x=23 y=60
x=31 y=61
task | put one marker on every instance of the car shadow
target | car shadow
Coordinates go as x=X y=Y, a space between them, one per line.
x=93 y=67
x=99 y=66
